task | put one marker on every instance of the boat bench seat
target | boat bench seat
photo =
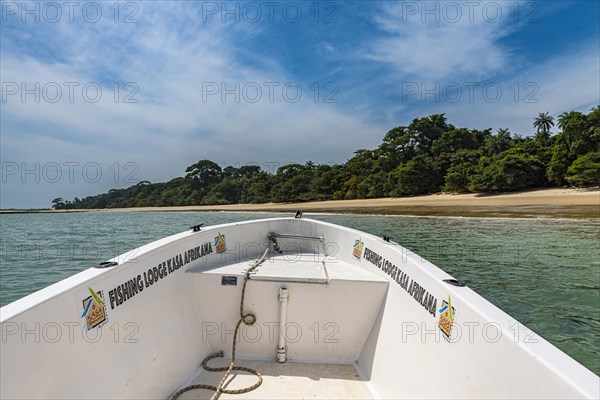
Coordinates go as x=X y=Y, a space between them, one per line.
x=307 y=268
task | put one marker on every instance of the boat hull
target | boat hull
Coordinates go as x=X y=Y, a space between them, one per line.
x=140 y=329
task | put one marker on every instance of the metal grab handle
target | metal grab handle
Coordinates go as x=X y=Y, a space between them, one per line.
x=286 y=236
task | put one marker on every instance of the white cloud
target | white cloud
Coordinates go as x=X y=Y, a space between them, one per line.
x=431 y=52
x=567 y=82
x=438 y=40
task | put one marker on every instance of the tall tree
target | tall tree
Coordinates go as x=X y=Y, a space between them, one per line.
x=498 y=143
x=58 y=203
x=203 y=175
x=426 y=130
x=543 y=123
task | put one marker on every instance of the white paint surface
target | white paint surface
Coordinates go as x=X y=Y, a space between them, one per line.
x=343 y=312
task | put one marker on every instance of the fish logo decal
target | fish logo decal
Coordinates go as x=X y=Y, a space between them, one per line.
x=94 y=309
x=447 y=317
x=358 y=247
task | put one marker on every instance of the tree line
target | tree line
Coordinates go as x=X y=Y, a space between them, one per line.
x=427 y=156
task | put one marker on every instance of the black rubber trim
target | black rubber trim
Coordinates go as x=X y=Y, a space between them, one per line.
x=106 y=264
x=455 y=282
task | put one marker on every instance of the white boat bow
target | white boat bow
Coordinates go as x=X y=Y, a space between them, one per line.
x=346 y=314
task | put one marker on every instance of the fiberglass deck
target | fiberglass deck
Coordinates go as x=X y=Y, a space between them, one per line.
x=286 y=381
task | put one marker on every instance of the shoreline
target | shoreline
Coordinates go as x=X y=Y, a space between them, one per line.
x=540 y=203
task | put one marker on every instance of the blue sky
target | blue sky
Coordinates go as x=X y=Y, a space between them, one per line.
x=97 y=96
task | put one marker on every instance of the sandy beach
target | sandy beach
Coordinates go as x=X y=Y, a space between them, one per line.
x=544 y=203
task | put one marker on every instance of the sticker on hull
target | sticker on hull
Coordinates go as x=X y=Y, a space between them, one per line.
x=220 y=245
x=447 y=317
x=358 y=247
x=94 y=309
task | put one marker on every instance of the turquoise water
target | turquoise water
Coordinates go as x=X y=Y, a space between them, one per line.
x=545 y=273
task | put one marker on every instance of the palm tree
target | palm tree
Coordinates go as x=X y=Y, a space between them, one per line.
x=543 y=123
x=563 y=119
x=463 y=156
x=498 y=143
x=503 y=133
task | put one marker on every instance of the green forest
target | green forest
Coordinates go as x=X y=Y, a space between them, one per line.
x=429 y=155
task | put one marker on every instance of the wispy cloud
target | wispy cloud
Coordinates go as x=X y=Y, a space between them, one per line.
x=438 y=40
x=449 y=57
x=565 y=82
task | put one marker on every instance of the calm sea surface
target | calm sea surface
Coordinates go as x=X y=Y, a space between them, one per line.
x=545 y=273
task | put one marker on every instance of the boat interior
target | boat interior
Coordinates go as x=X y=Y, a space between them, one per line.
x=331 y=311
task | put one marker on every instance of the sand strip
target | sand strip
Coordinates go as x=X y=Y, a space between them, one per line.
x=557 y=203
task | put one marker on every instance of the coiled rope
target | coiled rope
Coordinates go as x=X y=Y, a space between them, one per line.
x=248 y=319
